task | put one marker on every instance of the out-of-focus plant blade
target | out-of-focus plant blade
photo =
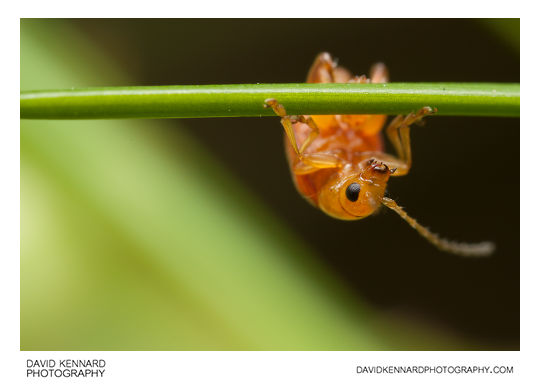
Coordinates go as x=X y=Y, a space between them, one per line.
x=506 y=29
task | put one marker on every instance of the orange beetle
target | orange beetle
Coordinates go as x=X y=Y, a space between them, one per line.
x=340 y=166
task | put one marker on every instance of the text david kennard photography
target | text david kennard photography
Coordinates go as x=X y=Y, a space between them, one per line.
x=65 y=368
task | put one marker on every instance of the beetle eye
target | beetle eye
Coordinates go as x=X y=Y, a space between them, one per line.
x=352 y=192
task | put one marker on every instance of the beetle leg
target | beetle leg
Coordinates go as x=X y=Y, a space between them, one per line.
x=288 y=121
x=311 y=162
x=379 y=73
x=322 y=70
x=398 y=132
x=308 y=162
x=312 y=134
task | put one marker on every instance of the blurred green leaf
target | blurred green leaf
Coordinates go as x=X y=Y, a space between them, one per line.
x=506 y=29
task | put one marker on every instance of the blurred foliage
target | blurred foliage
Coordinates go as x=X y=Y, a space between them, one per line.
x=506 y=29
x=131 y=242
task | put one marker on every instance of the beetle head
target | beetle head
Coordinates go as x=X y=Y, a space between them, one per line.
x=355 y=195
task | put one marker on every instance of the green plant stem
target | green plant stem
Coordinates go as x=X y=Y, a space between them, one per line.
x=466 y=99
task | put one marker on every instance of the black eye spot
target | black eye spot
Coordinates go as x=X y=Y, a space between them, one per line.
x=352 y=192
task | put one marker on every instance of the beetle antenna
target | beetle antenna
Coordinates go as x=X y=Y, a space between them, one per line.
x=464 y=249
